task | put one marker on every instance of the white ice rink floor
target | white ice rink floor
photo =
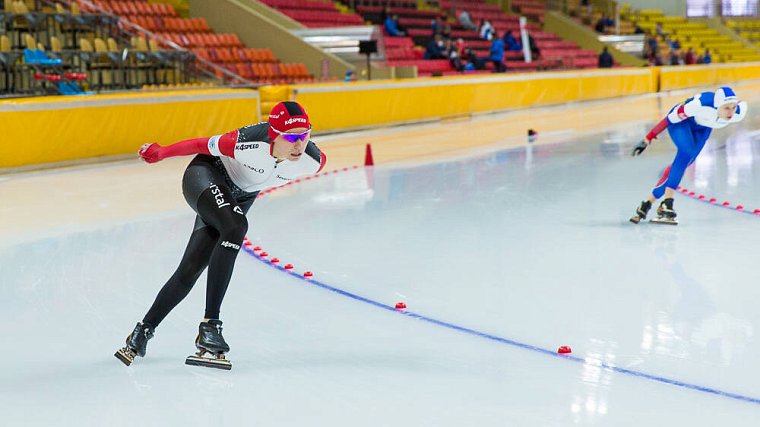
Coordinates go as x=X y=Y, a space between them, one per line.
x=501 y=257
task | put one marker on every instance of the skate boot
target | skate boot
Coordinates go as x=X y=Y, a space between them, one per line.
x=641 y=211
x=665 y=213
x=210 y=340
x=137 y=342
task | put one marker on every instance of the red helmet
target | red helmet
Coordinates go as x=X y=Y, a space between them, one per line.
x=285 y=116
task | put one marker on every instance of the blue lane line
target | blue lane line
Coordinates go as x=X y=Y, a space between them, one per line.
x=513 y=343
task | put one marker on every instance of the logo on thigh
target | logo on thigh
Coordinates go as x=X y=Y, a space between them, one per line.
x=238 y=210
x=226 y=244
x=218 y=196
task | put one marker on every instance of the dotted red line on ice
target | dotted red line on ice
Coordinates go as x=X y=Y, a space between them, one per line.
x=714 y=201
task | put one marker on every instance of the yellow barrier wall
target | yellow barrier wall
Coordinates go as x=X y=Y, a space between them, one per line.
x=55 y=129
x=707 y=75
x=341 y=105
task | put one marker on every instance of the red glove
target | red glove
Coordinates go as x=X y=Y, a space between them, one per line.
x=151 y=152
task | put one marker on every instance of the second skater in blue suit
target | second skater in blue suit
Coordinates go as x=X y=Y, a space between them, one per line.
x=689 y=125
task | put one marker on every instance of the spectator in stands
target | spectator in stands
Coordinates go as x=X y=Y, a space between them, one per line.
x=599 y=27
x=637 y=29
x=510 y=43
x=690 y=58
x=450 y=50
x=654 y=57
x=435 y=26
x=445 y=28
x=586 y=5
x=659 y=30
x=675 y=57
x=434 y=49
x=466 y=20
x=706 y=57
x=651 y=45
x=349 y=77
x=496 y=54
x=675 y=44
x=474 y=62
x=391 y=26
x=441 y=26
x=459 y=46
x=535 y=52
x=486 y=29
x=603 y=23
x=605 y=59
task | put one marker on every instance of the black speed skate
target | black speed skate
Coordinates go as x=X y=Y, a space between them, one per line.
x=665 y=213
x=210 y=340
x=137 y=342
x=641 y=211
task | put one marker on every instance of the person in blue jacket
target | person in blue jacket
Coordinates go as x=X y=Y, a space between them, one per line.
x=496 y=54
x=392 y=27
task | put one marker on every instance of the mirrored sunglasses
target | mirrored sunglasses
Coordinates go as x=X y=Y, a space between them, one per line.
x=293 y=137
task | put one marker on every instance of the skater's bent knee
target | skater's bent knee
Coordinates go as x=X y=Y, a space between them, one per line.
x=234 y=230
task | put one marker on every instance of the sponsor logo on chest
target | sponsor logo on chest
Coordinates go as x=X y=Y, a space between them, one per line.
x=259 y=170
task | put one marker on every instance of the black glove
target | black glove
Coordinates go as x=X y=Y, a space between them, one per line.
x=639 y=148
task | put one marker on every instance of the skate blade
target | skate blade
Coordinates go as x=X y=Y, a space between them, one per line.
x=666 y=221
x=635 y=219
x=125 y=355
x=207 y=362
